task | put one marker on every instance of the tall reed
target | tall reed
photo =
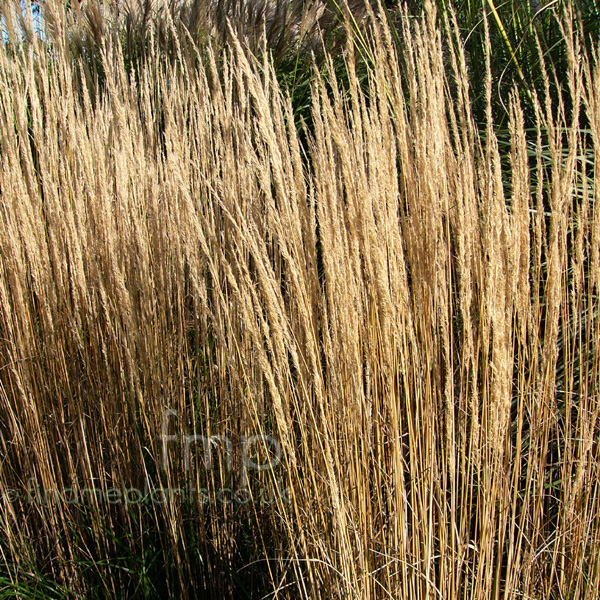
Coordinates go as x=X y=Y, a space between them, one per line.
x=416 y=326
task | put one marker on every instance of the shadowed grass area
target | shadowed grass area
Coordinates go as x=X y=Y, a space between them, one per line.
x=282 y=327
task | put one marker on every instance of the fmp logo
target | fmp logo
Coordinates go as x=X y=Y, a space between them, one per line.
x=247 y=453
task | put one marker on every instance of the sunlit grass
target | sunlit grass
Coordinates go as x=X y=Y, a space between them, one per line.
x=402 y=299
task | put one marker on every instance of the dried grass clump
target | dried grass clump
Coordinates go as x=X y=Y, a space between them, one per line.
x=415 y=326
